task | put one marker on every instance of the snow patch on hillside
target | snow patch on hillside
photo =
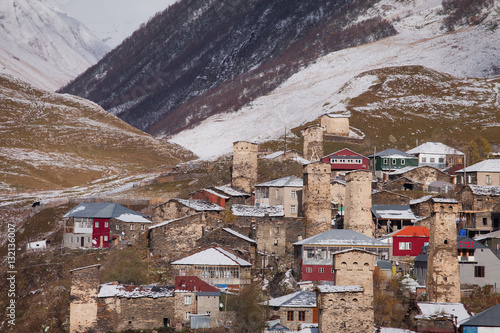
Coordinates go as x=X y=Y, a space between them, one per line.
x=467 y=52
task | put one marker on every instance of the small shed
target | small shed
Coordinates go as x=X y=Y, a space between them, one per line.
x=38 y=245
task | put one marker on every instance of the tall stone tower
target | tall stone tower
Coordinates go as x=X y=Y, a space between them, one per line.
x=316 y=201
x=83 y=306
x=348 y=305
x=443 y=278
x=244 y=175
x=313 y=143
x=358 y=202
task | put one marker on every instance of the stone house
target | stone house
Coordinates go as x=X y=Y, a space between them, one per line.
x=347 y=306
x=480 y=209
x=423 y=174
x=443 y=317
x=313 y=255
x=389 y=198
x=422 y=206
x=175 y=238
x=294 y=310
x=98 y=225
x=390 y=160
x=389 y=218
x=403 y=184
x=486 y=172
x=179 y=208
x=335 y=123
x=215 y=266
x=286 y=191
x=437 y=155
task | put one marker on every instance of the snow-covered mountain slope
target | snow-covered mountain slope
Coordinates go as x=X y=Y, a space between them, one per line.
x=466 y=52
x=112 y=20
x=42 y=46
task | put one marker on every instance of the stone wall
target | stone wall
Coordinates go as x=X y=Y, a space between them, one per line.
x=83 y=300
x=181 y=308
x=443 y=278
x=337 y=190
x=403 y=183
x=244 y=173
x=313 y=143
x=425 y=175
x=358 y=215
x=218 y=237
x=389 y=198
x=271 y=238
x=335 y=125
x=294 y=324
x=355 y=268
x=317 y=198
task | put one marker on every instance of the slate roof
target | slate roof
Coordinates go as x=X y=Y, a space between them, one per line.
x=127 y=291
x=344 y=237
x=106 y=211
x=436 y=148
x=492 y=165
x=339 y=289
x=392 y=152
x=289 y=181
x=485 y=190
x=258 y=211
x=231 y=191
x=215 y=256
x=429 y=310
x=237 y=234
x=299 y=299
x=199 y=205
x=393 y=212
x=488 y=318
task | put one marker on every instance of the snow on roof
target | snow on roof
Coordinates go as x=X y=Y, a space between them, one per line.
x=393 y=212
x=105 y=210
x=394 y=330
x=127 y=291
x=215 y=193
x=237 y=234
x=341 y=237
x=274 y=155
x=445 y=200
x=301 y=160
x=485 y=190
x=199 y=205
x=257 y=211
x=231 y=191
x=393 y=153
x=299 y=299
x=352 y=250
x=430 y=310
x=436 y=148
x=289 y=181
x=493 y=234
x=492 y=165
x=338 y=115
x=413 y=231
x=127 y=217
x=402 y=170
x=170 y=221
x=339 y=289
x=80 y=268
x=215 y=256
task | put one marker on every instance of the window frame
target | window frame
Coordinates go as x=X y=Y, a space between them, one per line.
x=289 y=315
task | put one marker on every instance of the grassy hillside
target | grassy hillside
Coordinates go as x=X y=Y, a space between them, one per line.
x=52 y=141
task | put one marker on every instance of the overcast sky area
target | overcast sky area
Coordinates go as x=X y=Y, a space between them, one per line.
x=112 y=20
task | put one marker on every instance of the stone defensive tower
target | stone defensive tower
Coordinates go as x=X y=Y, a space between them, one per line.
x=335 y=124
x=348 y=305
x=83 y=306
x=244 y=175
x=317 y=198
x=358 y=202
x=313 y=143
x=443 y=278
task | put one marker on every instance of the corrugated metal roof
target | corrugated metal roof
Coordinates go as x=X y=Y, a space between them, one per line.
x=341 y=237
x=299 y=299
x=393 y=212
x=215 y=256
x=437 y=148
x=289 y=181
x=392 y=152
x=488 y=318
x=485 y=190
x=492 y=165
x=199 y=205
x=105 y=211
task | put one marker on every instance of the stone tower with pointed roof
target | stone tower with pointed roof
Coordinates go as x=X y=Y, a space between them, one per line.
x=316 y=203
x=358 y=202
x=443 y=278
x=313 y=143
x=244 y=175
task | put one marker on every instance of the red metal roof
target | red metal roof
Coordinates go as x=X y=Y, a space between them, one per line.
x=413 y=231
x=192 y=283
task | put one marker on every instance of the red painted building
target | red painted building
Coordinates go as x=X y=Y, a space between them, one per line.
x=212 y=196
x=409 y=241
x=100 y=233
x=346 y=160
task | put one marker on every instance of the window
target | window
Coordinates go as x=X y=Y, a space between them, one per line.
x=117 y=227
x=293 y=209
x=441 y=160
x=132 y=226
x=106 y=224
x=277 y=193
x=289 y=316
x=293 y=194
x=480 y=204
x=97 y=224
x=321 y=270
x=394 y=161
x=485 y=221
x=142 y=226
x=302 y=316
x=88 y=239
x=187 y=300
x=105 y=238
x=488 y=179
x=403 y=162
x=432 y=160
x=188 y=314
x=385 y=160
x=308 y=270
x=404 y=245
x=71 y=239
x=479 y=271
x=424 y=159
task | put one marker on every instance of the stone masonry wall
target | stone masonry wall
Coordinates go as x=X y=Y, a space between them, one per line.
x=313 y=143
x=358 y=215
x=355 y=268
x=317 y=198
x=244 y=175
x=335 y=125
x=83 y=304
x=443 y=278
x=389 y=198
